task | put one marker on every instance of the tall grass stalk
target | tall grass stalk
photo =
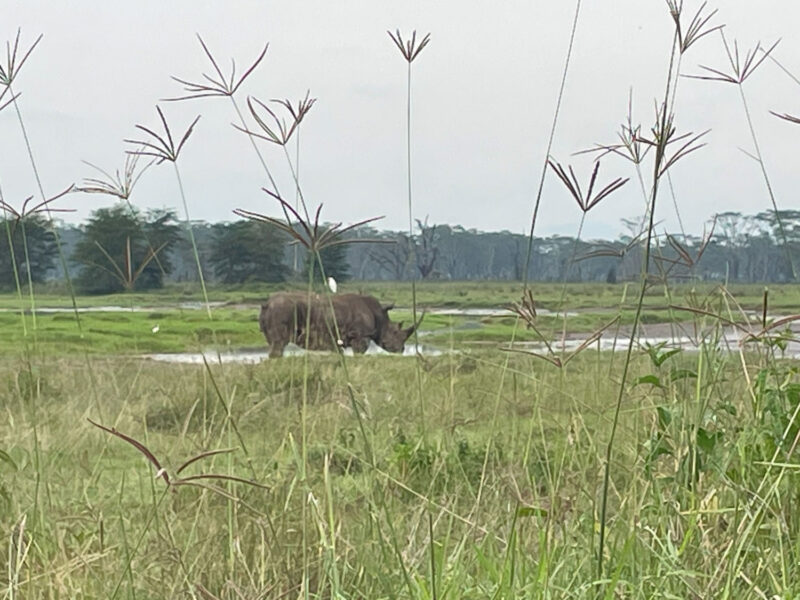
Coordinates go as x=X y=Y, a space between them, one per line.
x=410 y=50
x=767 y=181
x=15 y=271
x=739 y=71
x=131 y=554
x=549 y=147
x=367 y=444
x=261 y=160
x=529 y=252
x=660 y=151
x=190 y=229
x=218 y=85
x=51 y=222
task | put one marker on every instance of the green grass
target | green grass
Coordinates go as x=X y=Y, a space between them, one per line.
x=455 y=294
x=508 y=473
x=107 y=333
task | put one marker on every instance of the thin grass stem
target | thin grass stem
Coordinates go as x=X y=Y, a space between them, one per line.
x=550 y=139
x=767 y=181
x=15 y=271
x=190 y=229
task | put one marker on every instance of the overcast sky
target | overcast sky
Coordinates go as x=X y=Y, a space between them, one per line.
x=484 y=92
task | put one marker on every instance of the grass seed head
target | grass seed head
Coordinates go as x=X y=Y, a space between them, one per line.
x=218 y=84
x=163 y=147
x=410 y=49
x=11 y=68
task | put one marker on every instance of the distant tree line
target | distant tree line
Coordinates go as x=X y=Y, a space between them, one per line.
x=120 y=249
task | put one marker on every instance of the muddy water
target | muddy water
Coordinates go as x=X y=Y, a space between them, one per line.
x=256 y=356
x=489 y=312
x=731 y=341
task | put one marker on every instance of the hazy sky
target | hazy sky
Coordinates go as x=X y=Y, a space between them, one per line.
x=484 y=91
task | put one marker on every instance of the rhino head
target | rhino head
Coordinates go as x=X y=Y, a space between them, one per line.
x=393 y=337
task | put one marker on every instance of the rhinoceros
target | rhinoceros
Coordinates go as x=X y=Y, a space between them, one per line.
x=320 y=323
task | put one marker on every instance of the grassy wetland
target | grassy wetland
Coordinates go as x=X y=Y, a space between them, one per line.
x=492 y=468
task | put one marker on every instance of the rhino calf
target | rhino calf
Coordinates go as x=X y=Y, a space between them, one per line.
x=344 y=321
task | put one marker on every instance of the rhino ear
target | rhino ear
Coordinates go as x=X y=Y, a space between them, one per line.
x=400 y=325
x=387 y=307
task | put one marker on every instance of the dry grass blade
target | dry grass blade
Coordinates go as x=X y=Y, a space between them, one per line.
x=42 y=207
x=309 y=233
x=774 y=325
x=160 y=471
x=281 y=132
x=686 y=258
x=787 y=117
x=740 y=69
x=9 y=101
x=409 y=49
x=221 y=86
x=707 y=313
x=563 y=359
x=525 y=308
x=664 y=135
x=203 y=455
x=119 y=185
x=553 y=360
x=164 y=148
x=570 y=181
x=192 y=479
x=630 y=146
x=592 y=338
x=683 y=253
x=695 y=30
x=289 y=213
x=206 y=595
x=609 y=250
x=11 y=68
x=687 y=148
x=217 y=476
x=7 y=208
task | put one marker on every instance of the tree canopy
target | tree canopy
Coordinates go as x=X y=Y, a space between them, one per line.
x=123 y=250
x=245 y=251
x=32 y=243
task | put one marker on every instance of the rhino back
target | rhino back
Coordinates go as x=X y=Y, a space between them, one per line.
x=358 y=315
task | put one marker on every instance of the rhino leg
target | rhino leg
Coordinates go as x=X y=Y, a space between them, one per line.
x=276 y=349
x=278 y=337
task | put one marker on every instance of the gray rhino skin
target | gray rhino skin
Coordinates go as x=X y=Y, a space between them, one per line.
x=290 y=317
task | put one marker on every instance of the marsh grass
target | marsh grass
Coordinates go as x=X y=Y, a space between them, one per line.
x=538 y=510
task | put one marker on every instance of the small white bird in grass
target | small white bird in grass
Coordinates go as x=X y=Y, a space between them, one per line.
x=332 y=285
x=155 y=329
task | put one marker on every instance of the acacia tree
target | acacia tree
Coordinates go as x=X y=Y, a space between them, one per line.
x=124 y=250
x=247 y=251
x=427 y=250
x=393 y=258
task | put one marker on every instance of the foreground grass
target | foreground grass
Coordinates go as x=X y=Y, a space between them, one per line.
x=492 y=492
